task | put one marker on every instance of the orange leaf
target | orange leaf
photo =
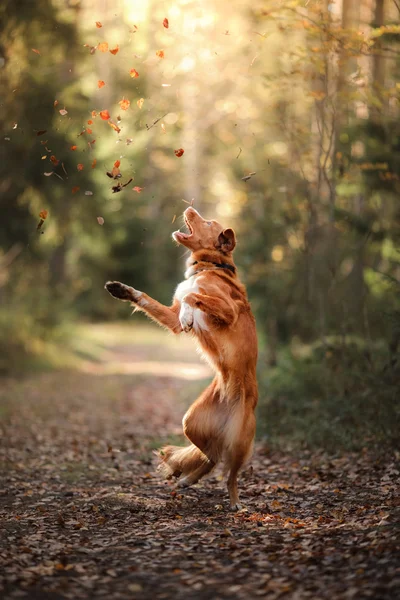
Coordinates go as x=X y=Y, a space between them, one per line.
x=114 y=126
x=54 y=160
x=137 y=189
x=94 y=163
x=98 y=24
x=133 y=73
x=43 y=214
x=114 y=50
x=79 y=167
x=35 y=51
x=103 y=47
x=101 y=83
x=94 y=113
x=73 y=147
x=160 y=53
x=105 y=115
x=75 y=189
x=179 y=152
x=166 y=23
x=117 y=163
x=140 y=102
x=124 y=104
x=90 y=122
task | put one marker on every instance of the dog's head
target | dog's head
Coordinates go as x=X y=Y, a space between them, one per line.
x=204 y=235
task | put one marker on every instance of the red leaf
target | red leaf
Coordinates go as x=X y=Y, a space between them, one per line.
x=101 y=83
x=90 y=122
x=79 y=167
x=117 y=164
x=54 y=160
x=133 y=73
x=179 y=152
x=166 y=23
x=114 y=50
x=124 y=104
x=43 y=214
x=89 y=131
x=103 y=47
x=98 y=24
x=105 y=115
x=160 y=53
x=73 y=147
x=137 y=189
x=94 y=163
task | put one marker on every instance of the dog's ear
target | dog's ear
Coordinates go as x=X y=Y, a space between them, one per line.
x=226 y=240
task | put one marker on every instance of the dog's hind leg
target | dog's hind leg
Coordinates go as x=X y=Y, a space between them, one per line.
x=237 y=455
x=196 y=475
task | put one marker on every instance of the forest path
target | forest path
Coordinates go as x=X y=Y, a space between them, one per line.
x=85 y=515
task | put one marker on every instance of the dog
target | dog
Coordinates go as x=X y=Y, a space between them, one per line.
x=211 y=303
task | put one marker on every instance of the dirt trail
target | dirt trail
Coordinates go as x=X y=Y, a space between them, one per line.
x=84 y=514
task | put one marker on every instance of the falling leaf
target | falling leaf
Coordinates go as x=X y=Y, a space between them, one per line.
x=73 y=147
x=55 y=103
x=124 y=104
x=101 y=83
x=41 y=132
x=80 y=167
x=117 y=163
x=43 y=214
x=133 y=73
x=129 y=141
x=15 y=125
x=179 y=152
x=140 y=102
x=89 y=131
x=160 y=53
x=134 y=30
x=105 y=115
x=48 y=174
x=75 y=189
x=166 y=23
x=249 y=176
x=103 y=46
x=90 y=122
x=163 y=128
x=94 y=113
x=63 y=112
x=114 y=126
x=114 y=50
x=88 y=193
x=100 y=220
x=98 y=24
x=54 y=160
x=120 y=186
x=173 y=220
x=94 y=163
x=138 y=189
x=35 y=51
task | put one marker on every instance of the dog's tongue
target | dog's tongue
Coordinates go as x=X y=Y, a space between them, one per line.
x=178 y=236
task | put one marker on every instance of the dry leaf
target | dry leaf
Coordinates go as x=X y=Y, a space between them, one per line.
x=114 y=50
x=133 y=73
x=105 y=115
x=166 y=23
x=179 y=152
x=160 y=53
x=138 y=189
x=101 y=83
x=103 y=47
x=98 y=24
x=140 y=102
x=63 y=112
x=80 y=167
x=124 y=104
x=100 y=220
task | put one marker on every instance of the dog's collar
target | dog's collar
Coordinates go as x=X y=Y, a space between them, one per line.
x=218 y=265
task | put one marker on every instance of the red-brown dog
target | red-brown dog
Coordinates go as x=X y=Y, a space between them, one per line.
x=212 y=304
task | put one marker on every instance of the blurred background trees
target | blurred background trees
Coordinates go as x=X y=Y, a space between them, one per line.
x=302 y=95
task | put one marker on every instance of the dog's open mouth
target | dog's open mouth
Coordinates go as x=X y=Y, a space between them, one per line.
x=179 y=235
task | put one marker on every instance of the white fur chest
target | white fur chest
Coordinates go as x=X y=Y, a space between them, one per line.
x=187 y=286
x=188 y=314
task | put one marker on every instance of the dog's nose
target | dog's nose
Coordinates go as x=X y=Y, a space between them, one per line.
x=191 y=212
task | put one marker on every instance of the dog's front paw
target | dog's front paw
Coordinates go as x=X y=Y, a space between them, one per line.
x=122 y=292
x=186 y=317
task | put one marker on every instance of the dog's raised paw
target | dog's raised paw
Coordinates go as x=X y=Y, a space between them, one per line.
x=186 y=317
x=122 y=292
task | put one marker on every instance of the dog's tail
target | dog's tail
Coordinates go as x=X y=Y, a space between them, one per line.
x=177 y=461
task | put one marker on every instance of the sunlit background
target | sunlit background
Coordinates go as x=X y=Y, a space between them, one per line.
x=288 y=116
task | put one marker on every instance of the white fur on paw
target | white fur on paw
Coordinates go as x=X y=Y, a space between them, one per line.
x=236 y=506
x=184 y=482
x=186 y=316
